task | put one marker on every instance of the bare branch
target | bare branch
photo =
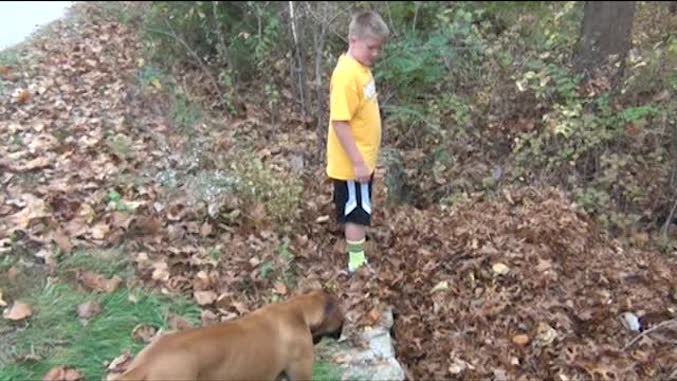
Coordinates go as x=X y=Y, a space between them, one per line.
x=417 y=5
x=197 y=58
x=667 y=323
x=668 y=221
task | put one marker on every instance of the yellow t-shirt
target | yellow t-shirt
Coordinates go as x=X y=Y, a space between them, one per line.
x=353 y=99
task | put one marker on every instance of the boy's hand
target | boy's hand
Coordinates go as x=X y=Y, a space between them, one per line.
x=362 y=173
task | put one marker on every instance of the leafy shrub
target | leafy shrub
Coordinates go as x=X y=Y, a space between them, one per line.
x=258 y=184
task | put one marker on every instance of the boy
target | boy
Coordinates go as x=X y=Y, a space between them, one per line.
x=354 y=135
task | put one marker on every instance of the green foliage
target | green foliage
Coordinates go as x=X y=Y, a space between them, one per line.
x=280 y=194
x=465 y=85
x=241 y=36
x=185 y=113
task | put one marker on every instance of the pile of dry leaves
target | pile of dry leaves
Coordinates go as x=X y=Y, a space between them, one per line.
x=520 y=285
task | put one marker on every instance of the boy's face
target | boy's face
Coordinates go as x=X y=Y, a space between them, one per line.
x=366 y=50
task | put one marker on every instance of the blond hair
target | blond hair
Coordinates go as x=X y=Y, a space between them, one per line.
x=367 y=24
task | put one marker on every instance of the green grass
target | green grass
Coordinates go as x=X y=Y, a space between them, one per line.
x=323 y=371
x=10 y=57
x=106 y=262
x=54 y=337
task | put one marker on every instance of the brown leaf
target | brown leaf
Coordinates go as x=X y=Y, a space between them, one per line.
x=204 y=298
x=161 y=271
x=132 y=299
x=520 y=340
x=373 y=317
x=62 y=374
x=208 y=318
x=205 y=230
x=39 y=162
x=18 y=311
x=122 y=220
x=143 y=333
x=62 y=241
x=98 y=283
x=280 y=288
x=21 y=96
x=12 y=274
x=202 y=281
x=89 y=309
x=100 y=230
x=120 y=363
x=35 y=208
x=177 y=323
x=2 y=302
x=240 y=307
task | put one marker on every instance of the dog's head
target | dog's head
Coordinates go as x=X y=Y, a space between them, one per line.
x=329 y=317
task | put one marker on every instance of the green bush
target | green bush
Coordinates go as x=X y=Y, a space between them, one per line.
x=241 y=37
x=280 y=194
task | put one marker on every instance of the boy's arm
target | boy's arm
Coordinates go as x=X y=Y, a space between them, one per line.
x=345 y=136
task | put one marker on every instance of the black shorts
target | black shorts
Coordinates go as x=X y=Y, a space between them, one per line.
x=353 y=201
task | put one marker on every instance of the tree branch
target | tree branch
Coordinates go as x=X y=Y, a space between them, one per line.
x=645 y=333
x=668 y=221
x=197 y=58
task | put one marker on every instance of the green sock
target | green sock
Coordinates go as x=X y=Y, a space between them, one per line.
x=356 y=257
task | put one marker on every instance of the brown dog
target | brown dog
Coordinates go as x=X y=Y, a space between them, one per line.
x=274 y=340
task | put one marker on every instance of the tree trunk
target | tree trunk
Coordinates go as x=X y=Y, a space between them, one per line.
x=319 y=40
x=605 y=39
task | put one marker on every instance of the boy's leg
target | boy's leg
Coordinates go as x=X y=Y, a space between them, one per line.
x=355 y=237
x=353 y=206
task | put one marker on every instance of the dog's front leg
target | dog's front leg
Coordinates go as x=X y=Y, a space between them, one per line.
x=301 y=370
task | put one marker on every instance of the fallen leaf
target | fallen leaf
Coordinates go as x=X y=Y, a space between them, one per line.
x=2 y=302
x=520 y=340
x=62 y=374
x=99 y=230
x=205 y=297
x=39 y=162
x=208 y=317
x=12 y=274
x=205 y=230
x=62 y=241
x=543 y=264
x=122 y=220
x=663 y=95
x=161 y=271
x=89 y=309
x=240 y=307
x=202 y=281
x=120 y=363
x=177 y=323
x=18 y=311
x=254 y=261
x=322 y=219
x=441 y=286
x=133 y=299
x=280 y=288
x=500 y=268
x=546 y=334
x=21 y=96
x=35 y=208
x=98 y=283
x=373 y=317
x=143 y=333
